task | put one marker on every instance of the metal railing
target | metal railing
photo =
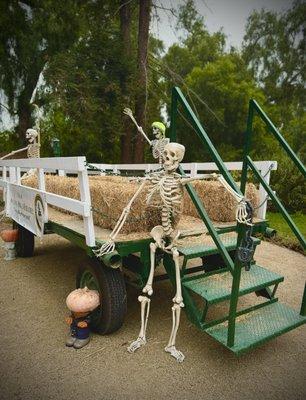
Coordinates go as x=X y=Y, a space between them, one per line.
x=234 y=266
x=254 y=109
x=248 y=163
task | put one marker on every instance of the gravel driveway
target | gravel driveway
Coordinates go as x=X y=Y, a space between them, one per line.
x=35 y=364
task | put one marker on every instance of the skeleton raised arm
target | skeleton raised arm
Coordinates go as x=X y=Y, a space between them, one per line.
x=159 y=142
x=128 y=111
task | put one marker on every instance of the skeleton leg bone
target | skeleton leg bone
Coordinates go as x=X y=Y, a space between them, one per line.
x=145 y=310
x=148 y=288
x=170 y=348
x=178 y=295
x=145 y=304
x=176 y=310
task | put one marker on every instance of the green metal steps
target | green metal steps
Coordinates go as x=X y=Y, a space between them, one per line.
x=216 y=286
x=257 y=327
x=190 y=252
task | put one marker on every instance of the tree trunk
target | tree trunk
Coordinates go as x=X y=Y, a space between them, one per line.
x=141 y=94
x=24 y=108
x=24 y=117
x=127 y=127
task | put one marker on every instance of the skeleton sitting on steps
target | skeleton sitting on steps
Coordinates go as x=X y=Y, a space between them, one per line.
x=164 y=190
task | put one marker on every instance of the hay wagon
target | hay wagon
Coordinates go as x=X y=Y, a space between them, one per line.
x=210 y=271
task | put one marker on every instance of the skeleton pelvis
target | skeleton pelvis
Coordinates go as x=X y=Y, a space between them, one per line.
x=157 y=233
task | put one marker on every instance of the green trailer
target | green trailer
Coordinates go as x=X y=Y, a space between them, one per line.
x=211 y=272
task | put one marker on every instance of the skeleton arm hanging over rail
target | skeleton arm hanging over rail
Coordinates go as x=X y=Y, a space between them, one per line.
x=242 y=214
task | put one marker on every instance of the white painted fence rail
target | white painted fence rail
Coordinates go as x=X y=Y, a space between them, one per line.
x=195 y=169
x=11 y=173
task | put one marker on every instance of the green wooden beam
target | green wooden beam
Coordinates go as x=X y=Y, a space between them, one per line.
x=279 y=137
x=277 y=202
x=177 y=95
x=209 y=225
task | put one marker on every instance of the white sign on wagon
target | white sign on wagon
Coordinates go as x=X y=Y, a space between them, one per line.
x=27 y=207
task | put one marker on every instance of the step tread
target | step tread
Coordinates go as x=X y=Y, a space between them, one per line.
x=217 y=286
x=229 y=242
x=259 y=326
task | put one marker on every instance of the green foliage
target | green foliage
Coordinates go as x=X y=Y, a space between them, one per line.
x=77 y=47
x=217 y=85
x=34 y=32
x=274 y=47
x=8 y=142
x=284 y=235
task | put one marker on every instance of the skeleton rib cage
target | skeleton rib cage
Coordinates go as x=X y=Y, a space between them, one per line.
x=166 y=191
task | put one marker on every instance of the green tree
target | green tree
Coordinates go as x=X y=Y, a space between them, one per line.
x=32 y=33
x=216 y=83
x=274 y=49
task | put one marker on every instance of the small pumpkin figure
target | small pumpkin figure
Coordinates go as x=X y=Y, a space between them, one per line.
x=81 y=302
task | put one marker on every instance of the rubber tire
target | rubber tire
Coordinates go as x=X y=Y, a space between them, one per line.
x=110 y=316
x=25 y=241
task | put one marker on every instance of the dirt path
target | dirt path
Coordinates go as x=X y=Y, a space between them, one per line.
x=35 y=364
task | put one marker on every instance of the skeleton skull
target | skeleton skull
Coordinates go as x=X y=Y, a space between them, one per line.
x=158 y=130
x=173 y=154
x=31 y=135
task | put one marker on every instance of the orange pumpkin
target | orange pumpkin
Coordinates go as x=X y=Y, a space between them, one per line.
x=9 y=235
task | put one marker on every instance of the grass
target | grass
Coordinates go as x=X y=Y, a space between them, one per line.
x=285 y=236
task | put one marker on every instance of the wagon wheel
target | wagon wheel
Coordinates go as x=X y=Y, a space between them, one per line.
x=110 y=315
x=25 y=241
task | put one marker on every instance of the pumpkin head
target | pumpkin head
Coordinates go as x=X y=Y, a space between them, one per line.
x=83 y=300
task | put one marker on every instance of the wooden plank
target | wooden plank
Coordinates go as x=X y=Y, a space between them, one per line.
x=88 y=219
x=66 y=163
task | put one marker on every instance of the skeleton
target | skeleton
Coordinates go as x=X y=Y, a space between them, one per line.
x=33 y=149
x=33 y=137
x=164 y=190
x=160 y=141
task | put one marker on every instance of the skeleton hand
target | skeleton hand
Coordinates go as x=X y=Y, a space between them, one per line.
x=107 y=247
x=128 y=111
x=242 y=215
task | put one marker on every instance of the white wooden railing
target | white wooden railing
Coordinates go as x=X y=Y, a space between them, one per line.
x=196 y=169
x=11 y=170
x=11 y=173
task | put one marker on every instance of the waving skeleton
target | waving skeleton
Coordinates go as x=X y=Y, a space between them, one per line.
x=164 y=190
x=159 y=142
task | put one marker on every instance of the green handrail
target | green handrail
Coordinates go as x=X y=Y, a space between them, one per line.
x=278 y=203
x=178 y=95
x=210 y=227
x=278 y=136
x=234 y=267
x=248 y=163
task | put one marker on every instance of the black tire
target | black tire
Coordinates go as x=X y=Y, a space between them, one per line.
x=110 y=315
x=25 y=241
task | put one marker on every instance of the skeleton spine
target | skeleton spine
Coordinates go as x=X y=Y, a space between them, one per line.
x=166 y=220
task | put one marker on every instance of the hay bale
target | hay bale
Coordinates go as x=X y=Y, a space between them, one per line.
x=110 y=194
x=218 y=202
